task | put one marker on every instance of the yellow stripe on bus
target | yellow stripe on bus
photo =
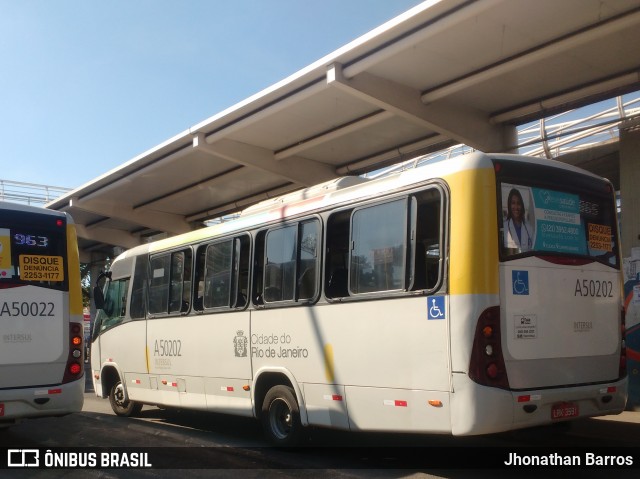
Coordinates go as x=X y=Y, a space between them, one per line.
x=329 y=369
x=73 y=264
x=473 y=264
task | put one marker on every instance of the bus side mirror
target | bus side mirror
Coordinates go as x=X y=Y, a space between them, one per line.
x=98 y=297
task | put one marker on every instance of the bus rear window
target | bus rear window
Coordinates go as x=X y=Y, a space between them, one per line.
x=556 y=221
x=33 y=250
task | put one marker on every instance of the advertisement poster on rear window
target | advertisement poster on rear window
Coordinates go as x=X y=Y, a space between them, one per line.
x=546 y=220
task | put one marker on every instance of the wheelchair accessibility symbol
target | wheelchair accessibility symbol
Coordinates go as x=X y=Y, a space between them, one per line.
x=520 y=282
x=436 y=309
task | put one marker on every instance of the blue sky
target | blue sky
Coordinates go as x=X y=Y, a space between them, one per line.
x=87 y=85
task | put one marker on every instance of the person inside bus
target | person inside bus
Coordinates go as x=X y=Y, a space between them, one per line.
x=518 y=234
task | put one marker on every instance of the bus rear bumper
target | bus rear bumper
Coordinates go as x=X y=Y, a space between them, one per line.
x=57 y=400
x=479 y=409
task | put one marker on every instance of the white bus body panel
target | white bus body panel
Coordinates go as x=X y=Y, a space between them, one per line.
x=34 y=352
x=474 y=407
x=362 y=357
x=62 y=399
x=121 y=348
x=32 y=338
x=200 y=362
x=560 y=326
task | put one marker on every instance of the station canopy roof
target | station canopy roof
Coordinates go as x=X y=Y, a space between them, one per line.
x=443 y=73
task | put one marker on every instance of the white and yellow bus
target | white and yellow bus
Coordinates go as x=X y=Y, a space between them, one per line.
x=41 y=354
x=434 y=300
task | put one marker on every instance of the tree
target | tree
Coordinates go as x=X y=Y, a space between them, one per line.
x=85 y=282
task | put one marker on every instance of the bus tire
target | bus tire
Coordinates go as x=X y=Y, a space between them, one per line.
x=120 y=405
x=281 y=417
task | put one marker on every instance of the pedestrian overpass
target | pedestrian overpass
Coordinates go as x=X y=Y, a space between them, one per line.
x=444 y=73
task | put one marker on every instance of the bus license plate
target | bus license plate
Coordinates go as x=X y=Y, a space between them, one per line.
x=564 y=410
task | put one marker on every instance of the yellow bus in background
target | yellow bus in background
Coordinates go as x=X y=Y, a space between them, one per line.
x=41 y=323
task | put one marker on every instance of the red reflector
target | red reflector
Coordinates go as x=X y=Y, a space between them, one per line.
x=492 y=370
x=75 y=368
x=611 y=389
x=401 y=403
x=336 y=397
x=54 y=391
x=59 y=222
x=524 y=398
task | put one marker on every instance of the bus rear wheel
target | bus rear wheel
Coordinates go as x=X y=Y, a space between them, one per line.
x=281 y=417
x=121 y=406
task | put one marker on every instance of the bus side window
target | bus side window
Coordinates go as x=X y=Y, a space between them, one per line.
x=170 y=283
x=241 y=266
x=218 y=275
x=258 y=261
x=159 y=284
x=427 y=260
x=198 y=291
x=139 y=290
x=308 y=236
x=377 y=257
x=177 y=280
x=280 y=264
x=337 y=254
x=223 y=274
x=291 y=262
x=115 y=302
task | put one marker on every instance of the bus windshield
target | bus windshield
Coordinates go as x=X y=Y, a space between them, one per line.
x=32 y=250
x=557 y=218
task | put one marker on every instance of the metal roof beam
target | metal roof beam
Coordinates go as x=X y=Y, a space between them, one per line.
x=530 y=57
x=463 y=125
x=108 y=235
x=241 y=203
x=295 y=169
x=548 y=103
x=161 y=221
x=333 y=134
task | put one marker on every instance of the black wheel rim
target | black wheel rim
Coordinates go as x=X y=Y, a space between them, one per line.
x=118 y=396
x=280 y=419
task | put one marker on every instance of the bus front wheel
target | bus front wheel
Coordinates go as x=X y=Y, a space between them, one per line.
x=120 y=405
x=281 y=416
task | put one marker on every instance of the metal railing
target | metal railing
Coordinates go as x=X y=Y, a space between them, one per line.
x=29 y=193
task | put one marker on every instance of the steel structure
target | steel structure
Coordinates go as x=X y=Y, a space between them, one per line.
x=557 y=136
x=29 y=193
x=445 y=72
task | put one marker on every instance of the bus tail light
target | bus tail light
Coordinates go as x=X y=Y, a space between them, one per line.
x=622 y=372
x=75 y=360
x=487 y=362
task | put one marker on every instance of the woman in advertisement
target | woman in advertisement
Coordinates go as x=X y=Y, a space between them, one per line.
x=518 y=234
